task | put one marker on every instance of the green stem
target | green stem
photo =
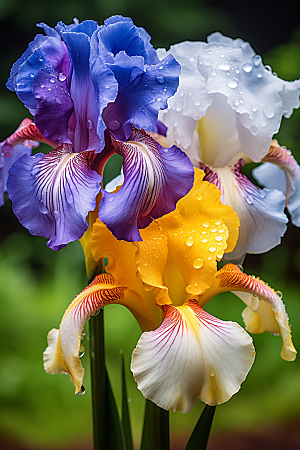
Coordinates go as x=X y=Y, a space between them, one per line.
x=156 y=428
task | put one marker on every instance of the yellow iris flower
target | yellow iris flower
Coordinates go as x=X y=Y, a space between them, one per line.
x=165 y=280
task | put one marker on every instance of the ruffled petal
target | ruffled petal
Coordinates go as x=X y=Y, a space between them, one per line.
x=267 y=313
x=52 y=194
x=199 y=231
x=261 y=212
x=155 y=178
x=29 y=134
x=143 y=91
x=192 y=354
x=62 y=353
x=285 y=177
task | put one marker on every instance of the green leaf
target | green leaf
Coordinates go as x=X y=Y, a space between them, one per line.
x=156 y=428
x=108 y=430
x=200 y=435
x=125 y=410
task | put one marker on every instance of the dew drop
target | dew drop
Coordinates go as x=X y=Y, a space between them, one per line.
x=219 y=257
x=247 y=67
x=232 y=84
x=249 y=200
x=279 y=294
x=256 y=60
x=107 y=86
x=209 y=258
x=160 y=78
x=268 y=68
x=240 y=267
x=198 y=263
x=49 y=89
x=214 y=230
x=221 y=231
x=203 y=232
x=82 y=391
x=192 y=58
x=41 y=59
x=52 y=80
x=114 y=125
x=89 y=124
x=62 y=76
x=213 y=72
x=212 y=249
x=204 y=241
x=190 y=241
x=205 y=224
x=254 y=107
x=199 y=196
x=224 y=65
x=269 y=112
x=161 y=67
x=42 y=85
x=237 y=71
x=219 y=238
x=217 y=223
x=259 y=74
x=32 y=75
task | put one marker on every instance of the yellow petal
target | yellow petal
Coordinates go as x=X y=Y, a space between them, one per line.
x=199 y=231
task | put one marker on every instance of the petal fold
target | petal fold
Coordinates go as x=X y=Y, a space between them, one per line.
x=192 y=354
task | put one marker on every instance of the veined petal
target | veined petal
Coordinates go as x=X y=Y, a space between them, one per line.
x=266 y=315
x=285 y=177
x=199 y=231
x=261 y=211
x=155 y=178
x=192 y=354
x=28 y=133
x=62 y=353
x=52 y=194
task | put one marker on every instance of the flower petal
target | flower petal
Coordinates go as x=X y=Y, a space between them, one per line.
x=155 y=179
x=192 y=354
x=285 y=177
x=261 y=212
x=199 y=231
x=266 y=315
x=52 y=194
x=62 y=353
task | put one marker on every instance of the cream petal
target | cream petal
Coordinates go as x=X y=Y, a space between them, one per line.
x=62 y=353
x=192 y=354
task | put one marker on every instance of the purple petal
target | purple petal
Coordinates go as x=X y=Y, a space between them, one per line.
x=52 y=194
x=155 y=178
x=143 y=91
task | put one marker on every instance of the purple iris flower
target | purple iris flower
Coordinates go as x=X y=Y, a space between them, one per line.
x=89 y=86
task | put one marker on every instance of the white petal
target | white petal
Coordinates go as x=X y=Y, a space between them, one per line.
x=192 y=354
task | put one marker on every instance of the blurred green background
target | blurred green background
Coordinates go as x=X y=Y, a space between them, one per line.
x=36 y=284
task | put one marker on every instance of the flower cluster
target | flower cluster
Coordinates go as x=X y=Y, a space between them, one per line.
x=162 y=225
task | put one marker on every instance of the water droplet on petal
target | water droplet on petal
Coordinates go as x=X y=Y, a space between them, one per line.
x=62 y=76
x=160 y=78
x=199 y=196
x=217 y=223
x=269 y=112
x=161 y=67
x=224 y=65
x=259 y=74
x=247 y=67
x=49 y=89
x=219 y=238
x=114 y=125
x=240 y=267
x=204 y=241
x=190 y=241
x=214 y=230
x=249 y=199
x=89 y=124
x=279 y=294
x=256 y=60
x=212 y=249
x=213 y=72
x=52 y=80
x=32 y=75
x=82 y=391
x=221 y=231
x=232 y=84
x=192 y=58
x=41 y=59
x=205 y=224
x=219 y=257
x=198 y=263
x=254 y=107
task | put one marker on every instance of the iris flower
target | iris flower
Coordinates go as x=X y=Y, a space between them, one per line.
x=165 y=280
x=225 y=113
x=93 y=90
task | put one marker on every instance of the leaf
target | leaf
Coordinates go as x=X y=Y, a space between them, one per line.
x=125 y=410
x=156 y=428
x=200 y=435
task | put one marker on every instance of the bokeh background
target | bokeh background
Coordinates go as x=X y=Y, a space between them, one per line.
x=39 y=411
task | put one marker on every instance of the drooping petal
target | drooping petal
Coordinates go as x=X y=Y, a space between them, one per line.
x=199 y=231
x=261 y=212
x=62 y=353
x=28 y=133
x=285 y=177
x=267 y=314
x=52 y=194
x=155 y=178
x=192 y=354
